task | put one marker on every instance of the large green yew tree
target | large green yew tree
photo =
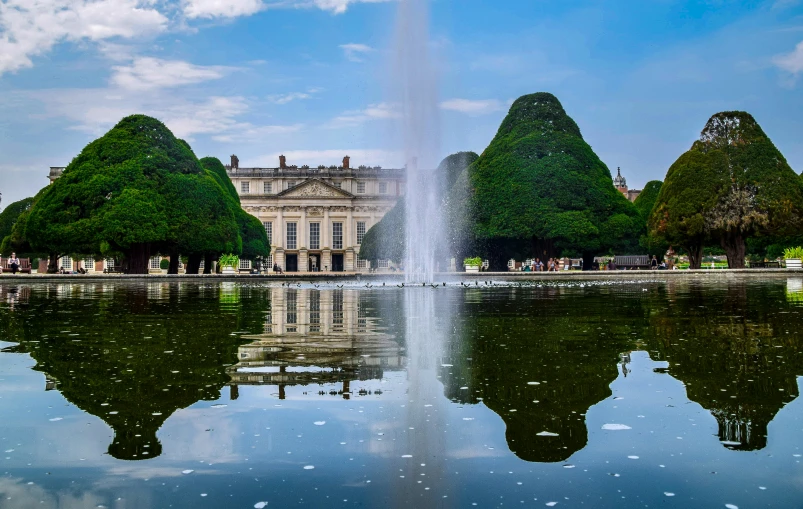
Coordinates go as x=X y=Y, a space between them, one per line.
x=136 y=191
x=386 y=239
x=540 y=190
x=733 y=184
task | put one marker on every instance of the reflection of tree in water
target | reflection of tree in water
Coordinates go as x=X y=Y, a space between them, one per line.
x=735 y=348
x=131 y=355
x=510 y=337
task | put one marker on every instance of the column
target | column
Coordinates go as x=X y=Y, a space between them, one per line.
x=349 y=237
x=279 y=230
x=303 y=229
x=326 y=242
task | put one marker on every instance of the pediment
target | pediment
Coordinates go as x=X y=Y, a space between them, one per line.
x=314 y=188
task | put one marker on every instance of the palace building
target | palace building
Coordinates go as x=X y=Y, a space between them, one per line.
x=315 y=218
x=620 y=184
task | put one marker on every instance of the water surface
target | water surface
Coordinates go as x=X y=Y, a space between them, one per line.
x=567 y=394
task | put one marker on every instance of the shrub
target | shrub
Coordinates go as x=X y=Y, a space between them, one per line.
x=793 y=252
x=164 y=264
x=476 y=261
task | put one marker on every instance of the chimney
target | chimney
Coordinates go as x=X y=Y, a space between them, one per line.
x=235 y=162
x=346 y=162
x=282 y=162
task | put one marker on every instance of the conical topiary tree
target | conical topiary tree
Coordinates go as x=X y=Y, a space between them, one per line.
x=138 y=191
x=386 y=239
x=644 y=204
x=540 y=190
x=731 y=185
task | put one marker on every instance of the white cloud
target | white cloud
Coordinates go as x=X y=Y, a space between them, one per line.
x=96 y=110
x=221 y=8
x=473 y=107
x=368 y=157
x=380 y=111
x=355 y=52
x=147 y=73
x=791 y=62
x=338 y=6
x=30 y=28
x=293 y=96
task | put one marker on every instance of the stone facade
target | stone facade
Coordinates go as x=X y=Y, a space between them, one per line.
x=315 y=217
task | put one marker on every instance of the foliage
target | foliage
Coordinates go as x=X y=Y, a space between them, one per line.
x=539 y=183
x=229 y=260
x=476 y=261
x=136 y=190
x=252 y=232
x=793 y=252
x=733 y=184
x=10 y=216
x=164 y=263
x=386 y=239
x=647 y=198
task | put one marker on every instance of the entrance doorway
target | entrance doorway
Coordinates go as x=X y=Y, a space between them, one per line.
x=337 y=263
x=291 y=262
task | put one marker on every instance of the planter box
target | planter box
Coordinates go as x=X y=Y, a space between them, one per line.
x=472 y=268
x=793 y=263
x=228 y=270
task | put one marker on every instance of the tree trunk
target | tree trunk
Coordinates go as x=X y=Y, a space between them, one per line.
x=174 y=259
x=735 y=249
x=194 y=263
x=137 y=259
x=588 y=261
x=53 y=263
x=695 y=255
x=208 y=259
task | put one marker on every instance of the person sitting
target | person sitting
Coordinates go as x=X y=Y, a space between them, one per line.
x=654 y=263
x=81 y=270
x=14 y=263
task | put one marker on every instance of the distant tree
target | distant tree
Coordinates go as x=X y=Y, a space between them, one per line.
x=539 y=190
x=386 y=239
x=136 y=191
x=644 y=204
x=8 y=219
x=732 y=185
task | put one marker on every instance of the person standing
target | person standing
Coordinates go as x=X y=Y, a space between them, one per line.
x=14 y=263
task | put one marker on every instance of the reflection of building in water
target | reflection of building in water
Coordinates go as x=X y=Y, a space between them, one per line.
x=316 y=337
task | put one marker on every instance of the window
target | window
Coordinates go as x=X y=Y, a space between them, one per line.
x=245 y=187
x=267 y=187
x=337 y=310
x=337 y=235
x=383 y=188
x=362 y=264
x=383 y=264
x=269 y=261
x=315 y=235
x=360 y=231
x=89 y=263
x=291 y=235
x=315 y=310
x=155 y=262
x=66 y=263
x=292 y=307
x=245 y=264
x=109 y=263
x=360 y=187
x=268 y=230
x=291 y=183
x=338 y=185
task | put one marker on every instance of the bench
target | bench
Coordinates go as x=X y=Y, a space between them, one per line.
x=25 y=266
x=632 y=262
x=764 y=265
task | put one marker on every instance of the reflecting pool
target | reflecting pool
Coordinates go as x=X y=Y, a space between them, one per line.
x=679 y=392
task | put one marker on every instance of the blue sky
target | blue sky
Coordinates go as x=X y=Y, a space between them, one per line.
x=310 y=78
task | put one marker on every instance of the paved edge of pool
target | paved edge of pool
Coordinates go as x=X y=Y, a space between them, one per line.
x=653 y=275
